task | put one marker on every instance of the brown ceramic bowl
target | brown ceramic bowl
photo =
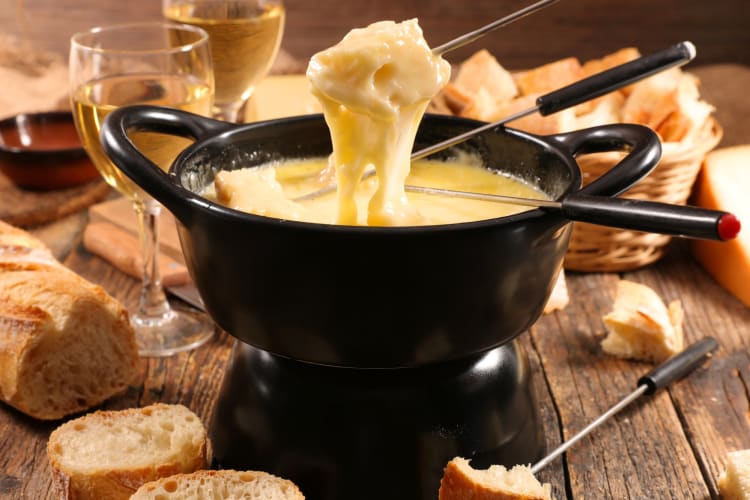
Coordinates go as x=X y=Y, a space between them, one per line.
x=42 y=151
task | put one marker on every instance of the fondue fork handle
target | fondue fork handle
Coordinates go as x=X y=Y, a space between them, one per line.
x=583 y=90
x=675 y=368
x=650 y=216
x=615 y=78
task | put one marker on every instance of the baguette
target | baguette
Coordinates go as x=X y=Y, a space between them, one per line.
x=220 y=484
x=65 y=344
x=110 y=454
x=461 y=481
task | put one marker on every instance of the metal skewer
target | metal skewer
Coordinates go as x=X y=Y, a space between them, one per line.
x=670 y=371
x=476 y=34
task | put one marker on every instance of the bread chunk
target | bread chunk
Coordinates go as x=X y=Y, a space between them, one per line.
x=641 y=327
x=462 y=482
x=220 y=485
x=65 y=344
x=669 y=102
x=110 y=454
x=481 y=71
x=734 y=482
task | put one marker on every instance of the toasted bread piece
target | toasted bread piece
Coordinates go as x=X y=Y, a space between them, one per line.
x=689 y=113
x=641 y=327
x=455 y=99
x=603 y=110
x=110 y=454
x=249 y=485
x=549 y=77
x=255 y=190
x=734 y=482
x=669 y=103
x=461 y=481
x=620 y=56
x=482 y=71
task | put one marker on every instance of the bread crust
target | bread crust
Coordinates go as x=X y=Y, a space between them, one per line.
x=460 y=483
x=116 y=482
x=236 y=482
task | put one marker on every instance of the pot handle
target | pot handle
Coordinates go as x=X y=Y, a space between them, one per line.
x=146 y=174
x=642 y=144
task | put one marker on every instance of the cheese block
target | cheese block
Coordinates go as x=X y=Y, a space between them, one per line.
x=734 y=483
x=279 y=96
x=723 y=184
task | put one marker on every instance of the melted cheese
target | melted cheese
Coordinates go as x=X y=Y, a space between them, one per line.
x=374 y=87
x=269 y=190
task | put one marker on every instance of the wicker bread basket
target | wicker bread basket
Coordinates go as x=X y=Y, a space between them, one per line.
x=603 y=249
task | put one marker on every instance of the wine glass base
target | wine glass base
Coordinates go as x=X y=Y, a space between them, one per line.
x=180 y=329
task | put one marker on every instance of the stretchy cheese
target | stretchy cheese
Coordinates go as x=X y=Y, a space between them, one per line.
x=724 y=184
x=374 y=87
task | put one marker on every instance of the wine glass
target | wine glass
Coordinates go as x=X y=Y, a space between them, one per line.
x=154 y=63
x=245 y=36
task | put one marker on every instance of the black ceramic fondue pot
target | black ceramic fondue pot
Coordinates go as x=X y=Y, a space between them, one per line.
x=371 y=352
x=369 y=297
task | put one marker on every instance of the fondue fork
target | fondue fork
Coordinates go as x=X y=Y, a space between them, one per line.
x=584 y=90
x=675 y=368
x=565 y=97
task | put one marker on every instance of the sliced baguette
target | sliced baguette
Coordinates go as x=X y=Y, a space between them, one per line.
x=220 y=485
x=461 y=481
x=110 y=454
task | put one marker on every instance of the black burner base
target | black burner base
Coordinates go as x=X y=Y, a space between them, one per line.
x=345 y=434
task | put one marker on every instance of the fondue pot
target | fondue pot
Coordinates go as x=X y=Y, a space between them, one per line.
x=370 y=356
x=369 y=297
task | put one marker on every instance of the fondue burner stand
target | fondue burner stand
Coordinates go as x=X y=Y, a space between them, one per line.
x=361 y=434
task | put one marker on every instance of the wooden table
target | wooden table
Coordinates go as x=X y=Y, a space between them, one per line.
x=671 y=445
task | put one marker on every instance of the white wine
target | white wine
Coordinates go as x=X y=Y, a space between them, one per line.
x=244 y=40
x=93 y=101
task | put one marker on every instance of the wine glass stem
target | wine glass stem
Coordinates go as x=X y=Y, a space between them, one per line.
x=230 y=113
x=152 y=304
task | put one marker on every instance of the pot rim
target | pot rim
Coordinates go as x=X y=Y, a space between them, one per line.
x=200 y=202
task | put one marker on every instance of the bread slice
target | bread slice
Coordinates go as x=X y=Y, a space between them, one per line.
x=482 y=71
x=640 y=326
x=734 y=482
x=65 y=344
x=110 y=454
x=461 y=481
x=549 y=77
x=220 y=485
